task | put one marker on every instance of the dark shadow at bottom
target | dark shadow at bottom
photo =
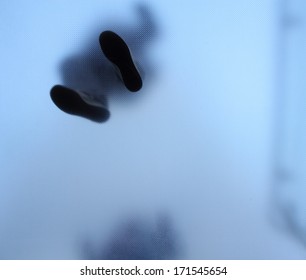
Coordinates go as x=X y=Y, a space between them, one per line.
x=137 y=240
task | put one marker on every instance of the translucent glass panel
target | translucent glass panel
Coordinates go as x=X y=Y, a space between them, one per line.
x=181 y=169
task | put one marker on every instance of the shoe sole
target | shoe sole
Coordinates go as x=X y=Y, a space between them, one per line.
x=117 y=52
x=69 y=101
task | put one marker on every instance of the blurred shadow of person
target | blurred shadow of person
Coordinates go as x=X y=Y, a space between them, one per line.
x=89 y=80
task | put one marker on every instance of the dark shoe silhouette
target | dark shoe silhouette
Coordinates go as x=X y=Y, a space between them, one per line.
x=79 y=103
x=117 y=52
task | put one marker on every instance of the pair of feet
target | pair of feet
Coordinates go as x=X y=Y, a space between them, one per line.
x=89 y=106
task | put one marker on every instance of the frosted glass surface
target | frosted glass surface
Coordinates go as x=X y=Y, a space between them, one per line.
x=181 y=170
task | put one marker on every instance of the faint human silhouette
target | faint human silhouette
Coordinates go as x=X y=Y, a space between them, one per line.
x=90 y=73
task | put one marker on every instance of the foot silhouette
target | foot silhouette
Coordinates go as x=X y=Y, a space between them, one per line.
x=118 y=53
x=79 y=103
